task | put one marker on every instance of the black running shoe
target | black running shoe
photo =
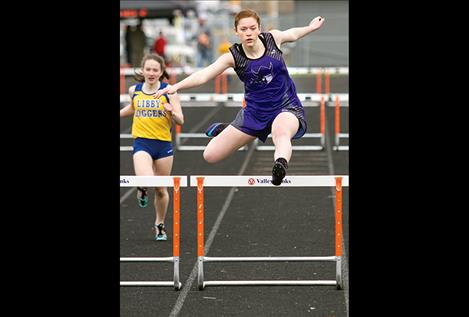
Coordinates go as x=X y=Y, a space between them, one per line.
x=142 y=197
x=215 y=129
x=160 y=232
x=278 y=171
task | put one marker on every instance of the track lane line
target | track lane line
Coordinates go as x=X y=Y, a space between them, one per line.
x=188 y=284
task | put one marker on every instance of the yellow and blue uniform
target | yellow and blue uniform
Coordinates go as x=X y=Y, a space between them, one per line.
x=151 y=125
x=150 y=120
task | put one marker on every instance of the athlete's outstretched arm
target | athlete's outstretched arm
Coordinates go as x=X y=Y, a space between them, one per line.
x=200 y=77
x=293 y=34
x=128 y=110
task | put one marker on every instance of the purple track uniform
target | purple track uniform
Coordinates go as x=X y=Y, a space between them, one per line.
x=269 y=90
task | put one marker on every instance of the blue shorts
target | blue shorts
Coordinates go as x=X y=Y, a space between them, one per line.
x=156 y=148
x=247 y=123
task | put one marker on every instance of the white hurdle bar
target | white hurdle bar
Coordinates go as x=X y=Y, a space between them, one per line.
x=159 y=181
x=187 y=70
x=337 y=181
x=126 y=148
x=236 y=97
x=337 y=134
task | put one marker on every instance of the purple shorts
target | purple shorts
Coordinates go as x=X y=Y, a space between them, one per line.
x=247 y=122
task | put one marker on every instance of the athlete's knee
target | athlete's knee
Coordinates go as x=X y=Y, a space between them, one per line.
x=161 y=192
x=210 y=156
x=280 y=134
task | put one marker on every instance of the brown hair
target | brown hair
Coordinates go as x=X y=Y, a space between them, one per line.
x=247 y=13
x=138 y=73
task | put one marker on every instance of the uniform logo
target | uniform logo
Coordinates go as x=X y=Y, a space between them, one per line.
x=263 y=75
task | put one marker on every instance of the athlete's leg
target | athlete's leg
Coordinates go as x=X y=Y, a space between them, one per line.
x=284 y=128
x=162 y=167
x=225 y=143
x=143 y=166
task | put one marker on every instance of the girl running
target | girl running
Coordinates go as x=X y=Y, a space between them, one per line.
x=151 y=130
x=272 y=104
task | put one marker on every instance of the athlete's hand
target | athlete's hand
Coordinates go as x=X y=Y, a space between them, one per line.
x=317 y=22
x=168 y=107
x=168 y=90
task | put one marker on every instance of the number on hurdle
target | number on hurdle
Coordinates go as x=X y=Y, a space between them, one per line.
x=338 y=182
x=154 y=181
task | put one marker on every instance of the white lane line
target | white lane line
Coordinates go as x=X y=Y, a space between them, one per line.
x=188 y=284
x=127 y=194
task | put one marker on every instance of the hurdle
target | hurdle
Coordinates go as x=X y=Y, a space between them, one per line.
x=125 y=148
x=179 y=134
x=181 y=137
x=337 y=134
x=128 y=70
x=337 y=181
x=154 y=181
x=321 y=134
x=318 y=100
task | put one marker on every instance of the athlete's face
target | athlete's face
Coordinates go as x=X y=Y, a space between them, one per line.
x=152 y=71
x=248 y=30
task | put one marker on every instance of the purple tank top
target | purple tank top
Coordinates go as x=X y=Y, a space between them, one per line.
x=268 y=86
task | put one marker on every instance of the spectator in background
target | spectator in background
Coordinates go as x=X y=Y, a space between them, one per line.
x=160 y=45
x=204 y=44
x=224 y=46
x=138 y=42
x=128 y=49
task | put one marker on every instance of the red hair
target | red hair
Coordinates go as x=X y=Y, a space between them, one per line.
x=247 y=13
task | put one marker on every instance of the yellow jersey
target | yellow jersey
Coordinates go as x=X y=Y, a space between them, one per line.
x=150 y=120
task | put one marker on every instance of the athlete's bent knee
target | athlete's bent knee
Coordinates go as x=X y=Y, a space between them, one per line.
x=210 y=157
x=281 y=134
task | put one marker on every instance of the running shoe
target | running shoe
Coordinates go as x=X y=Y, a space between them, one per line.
x=215 y=129
x=160 y=232
x=278 y=171
x=142 y=197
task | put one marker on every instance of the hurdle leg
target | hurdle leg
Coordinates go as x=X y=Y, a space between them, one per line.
x=318 y=81
x=132 y=181
x=176 y=231
x=200 y=232
x=338 y=231
x=337 y=133
x=337 y=121
x=322 y=121
x=327 y=83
